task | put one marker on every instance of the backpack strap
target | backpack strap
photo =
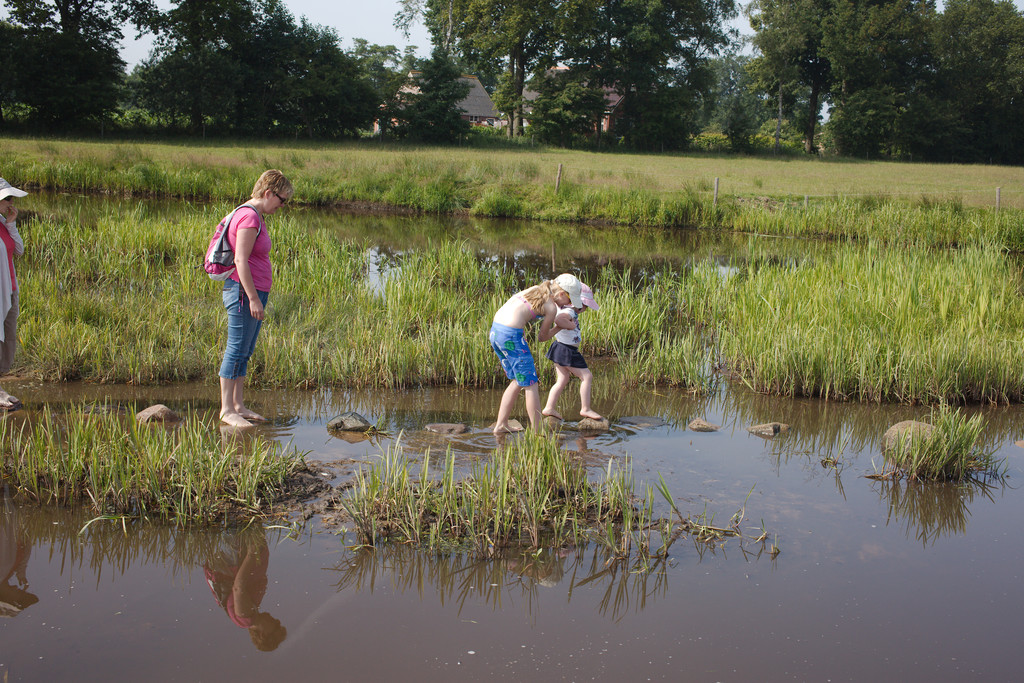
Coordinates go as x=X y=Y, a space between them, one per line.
x=259 y=223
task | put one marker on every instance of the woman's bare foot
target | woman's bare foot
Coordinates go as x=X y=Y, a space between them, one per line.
x=234 y=420
x=250 y=415
x=552 y=413
x=591 y=414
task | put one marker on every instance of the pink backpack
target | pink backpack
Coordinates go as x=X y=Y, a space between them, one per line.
x=220 y=257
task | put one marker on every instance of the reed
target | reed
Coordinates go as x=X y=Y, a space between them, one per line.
x=116 y=295
x=530 y=494
x=182 y=475
x=949 y=453
x=119 y=297
x=873 y=324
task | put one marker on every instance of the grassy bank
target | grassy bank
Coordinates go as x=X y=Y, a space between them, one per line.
x=942 y=204
x=872 y=324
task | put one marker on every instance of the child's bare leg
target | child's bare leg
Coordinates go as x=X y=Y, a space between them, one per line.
x=561 y=382
x=508 y=400
x=533 y=408
x=586 y=382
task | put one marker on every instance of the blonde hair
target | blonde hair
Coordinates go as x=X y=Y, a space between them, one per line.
x=274 y=181
x=538 y=295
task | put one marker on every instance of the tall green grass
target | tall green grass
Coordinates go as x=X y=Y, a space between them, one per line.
x=530 y=494
x=949 y=453
x=117 y=295
x=121 y=298
x=117 y=467
x=873 y=324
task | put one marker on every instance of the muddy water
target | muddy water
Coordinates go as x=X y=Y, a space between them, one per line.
x=875 y=581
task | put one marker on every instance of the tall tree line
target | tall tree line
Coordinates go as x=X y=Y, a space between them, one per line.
x=875 y=78
x=236 y=66
x=653 y=53
x=900 y=78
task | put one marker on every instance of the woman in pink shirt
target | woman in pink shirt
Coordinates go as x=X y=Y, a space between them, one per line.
x=245 y=293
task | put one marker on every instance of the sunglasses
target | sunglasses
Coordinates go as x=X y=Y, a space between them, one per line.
x=283 y=200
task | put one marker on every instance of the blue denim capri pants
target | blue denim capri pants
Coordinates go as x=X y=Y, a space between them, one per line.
x=242 y=330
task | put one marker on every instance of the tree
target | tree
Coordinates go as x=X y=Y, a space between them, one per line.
x=326 y=89
x=515 y=34
x=66 y=67
x=979 y=46
x=884 y=79
x=654 y=53
x=566 y=107
x=788 y=38
x=387 y=72
x=192 y=72
x=431 y=113
x=732 y=106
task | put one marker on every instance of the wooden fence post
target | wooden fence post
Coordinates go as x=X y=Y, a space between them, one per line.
x=558 y=178
x=714 y=202
x=998 y=193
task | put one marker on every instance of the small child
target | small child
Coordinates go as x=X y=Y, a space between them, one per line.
x=565 y=354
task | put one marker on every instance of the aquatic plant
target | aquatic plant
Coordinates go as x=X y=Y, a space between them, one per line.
x=871 y=323
x=937 y=203
x=182 y=474
x=949 y=452
x=529 y=494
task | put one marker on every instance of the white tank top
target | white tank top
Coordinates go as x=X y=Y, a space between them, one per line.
x=570 y=337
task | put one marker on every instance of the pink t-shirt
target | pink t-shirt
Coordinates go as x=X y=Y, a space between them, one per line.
x=9 y=245
x=259 y=259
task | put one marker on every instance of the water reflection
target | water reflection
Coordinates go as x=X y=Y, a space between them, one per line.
x=236 y=573
x=931 y=510
x=614 y=588
x=234 y=562
x=828 y=429
x=15 y=549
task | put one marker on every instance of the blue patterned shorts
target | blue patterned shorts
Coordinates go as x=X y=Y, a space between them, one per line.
x=516 y=359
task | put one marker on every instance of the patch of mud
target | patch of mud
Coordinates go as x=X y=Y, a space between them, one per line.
x=306 y=483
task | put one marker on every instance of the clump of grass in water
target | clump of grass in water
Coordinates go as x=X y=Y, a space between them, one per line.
x=949 y=453
x=530 y=494
x=184 y=474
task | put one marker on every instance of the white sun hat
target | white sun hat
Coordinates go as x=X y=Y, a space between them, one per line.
x=571 y=286
x=8 y=190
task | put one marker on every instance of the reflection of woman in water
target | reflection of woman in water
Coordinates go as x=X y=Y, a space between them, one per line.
x=14 y=552
x=238 y=579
